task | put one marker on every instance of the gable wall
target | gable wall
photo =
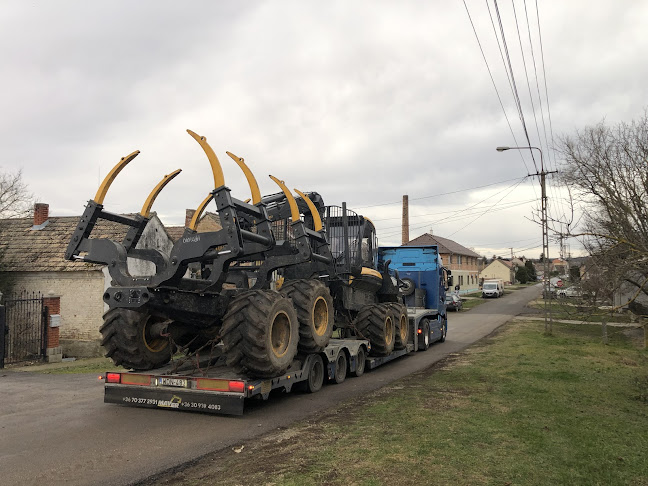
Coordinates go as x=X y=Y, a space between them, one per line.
x=81 y=293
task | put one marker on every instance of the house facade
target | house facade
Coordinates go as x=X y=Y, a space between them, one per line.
x=462 y=261
x=32 y=249
x=499 y=270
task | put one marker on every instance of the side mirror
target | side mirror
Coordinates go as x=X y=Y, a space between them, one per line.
x=450 y=281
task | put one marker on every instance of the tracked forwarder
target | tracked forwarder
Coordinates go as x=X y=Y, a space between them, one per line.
x=253 y=307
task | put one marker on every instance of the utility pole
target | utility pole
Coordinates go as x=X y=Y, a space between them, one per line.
x=546 y=292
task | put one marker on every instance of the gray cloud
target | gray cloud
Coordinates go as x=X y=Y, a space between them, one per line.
x=361 y=101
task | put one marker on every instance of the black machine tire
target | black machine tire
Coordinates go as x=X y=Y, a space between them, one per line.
x=424 y=338
x=315 y=374
x=314 y=306
x=401 y=325
x=340 y=367
x=128 y=340
x=408 y=286
x=376 y=323
x=360 y=362
x=444 y=330
x=260 y=333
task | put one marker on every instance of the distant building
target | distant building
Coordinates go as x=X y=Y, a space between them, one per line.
x=459 y=259
x=499 y=270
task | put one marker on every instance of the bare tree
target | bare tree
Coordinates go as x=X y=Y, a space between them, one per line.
x=606 y=169
x=15 y=199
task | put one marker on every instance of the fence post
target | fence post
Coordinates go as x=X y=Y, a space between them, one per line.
x=3 y=333
x=54 y=352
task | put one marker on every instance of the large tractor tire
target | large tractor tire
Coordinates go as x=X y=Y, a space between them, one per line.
x=401 y=325
x=260 y=333
x=314 y=306
x=376 y=323
x=130 y=340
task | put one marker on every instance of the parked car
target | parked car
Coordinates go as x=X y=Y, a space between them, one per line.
x=570 y=292
x=453 y=301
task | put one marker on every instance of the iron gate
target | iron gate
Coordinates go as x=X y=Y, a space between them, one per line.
x=26 y=321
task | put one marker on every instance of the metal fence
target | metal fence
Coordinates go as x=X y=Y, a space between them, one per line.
x=26 y=326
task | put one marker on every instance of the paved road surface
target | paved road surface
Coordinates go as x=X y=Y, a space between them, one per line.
x=55 y=429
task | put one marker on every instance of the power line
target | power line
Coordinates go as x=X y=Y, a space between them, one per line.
x=441 y=194
x=493 y=81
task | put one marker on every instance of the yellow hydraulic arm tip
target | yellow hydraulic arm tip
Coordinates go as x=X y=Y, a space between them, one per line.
x=317 y=220
x=199 y=211
x=252 y=182
x=146 y=209
x=217 y=170
x=105 y=185
x=294 y=212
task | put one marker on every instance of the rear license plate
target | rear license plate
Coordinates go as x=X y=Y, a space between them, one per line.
x=179 y=382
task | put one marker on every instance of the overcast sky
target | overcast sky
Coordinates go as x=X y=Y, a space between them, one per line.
x=361 y=101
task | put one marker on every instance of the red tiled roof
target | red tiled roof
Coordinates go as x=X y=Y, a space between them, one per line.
x=445 y=245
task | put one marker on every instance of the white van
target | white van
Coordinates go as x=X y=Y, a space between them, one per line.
x=493 y=288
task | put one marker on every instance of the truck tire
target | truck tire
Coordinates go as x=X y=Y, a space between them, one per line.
x=130 y=342
x=340 y=368
x=424 y=338
x=375 y=322
x=260 y=333
x=360 y=362
x=401 y=322
x=315 y=374
x=314 y=306
x=444 y=330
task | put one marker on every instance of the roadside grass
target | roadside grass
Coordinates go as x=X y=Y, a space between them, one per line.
x=520 y=407
x=572 y=309
x=468 y=304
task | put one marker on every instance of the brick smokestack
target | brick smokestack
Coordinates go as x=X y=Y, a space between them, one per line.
x=406 y=237
x=188 y=215
x=41 y=213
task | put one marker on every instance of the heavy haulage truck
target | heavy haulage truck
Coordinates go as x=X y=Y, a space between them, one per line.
x=288 y=293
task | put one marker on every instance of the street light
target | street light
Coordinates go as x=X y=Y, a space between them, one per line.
x=545 y=236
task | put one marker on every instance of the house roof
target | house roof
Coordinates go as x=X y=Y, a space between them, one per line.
x=445 y=245
x=209 y=222
x=23 y=249
x=506 y=263
x=175 y=232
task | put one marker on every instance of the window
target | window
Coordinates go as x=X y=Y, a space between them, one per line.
x=459 y=259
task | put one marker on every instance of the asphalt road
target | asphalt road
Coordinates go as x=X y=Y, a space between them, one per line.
x=55 y=429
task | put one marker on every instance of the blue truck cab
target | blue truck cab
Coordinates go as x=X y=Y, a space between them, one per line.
x=424 y=282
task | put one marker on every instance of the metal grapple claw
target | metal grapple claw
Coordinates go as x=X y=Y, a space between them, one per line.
x=146 y=208
x=317 y=220
x=217 y=170
x=252 y=182
x=294 y=211
x=105 y=185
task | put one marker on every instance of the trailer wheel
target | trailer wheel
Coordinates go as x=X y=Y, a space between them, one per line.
x=260 y=333
x=360 y=362
x=315 y=375
x=375 y=322
x=340 y=368
x=424 y=338
x=401 y=321
x=314 y=306
x=132 y=339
